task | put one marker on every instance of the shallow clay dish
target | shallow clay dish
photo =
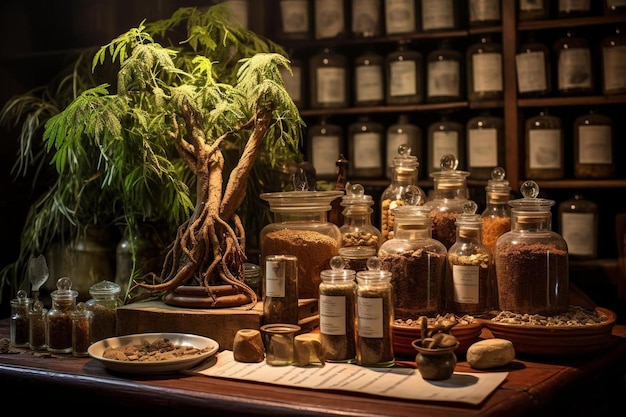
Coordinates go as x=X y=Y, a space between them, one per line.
x=404 y=335
x=556 y=340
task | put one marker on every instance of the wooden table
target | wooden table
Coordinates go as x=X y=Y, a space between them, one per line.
x=591 y=385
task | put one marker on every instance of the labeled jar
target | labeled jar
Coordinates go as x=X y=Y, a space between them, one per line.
x=400 y=16
x=301 y=229
x=544 y=147
x=293 y=79
x=82 y=319
x=443 y=69
x=532 y=65
x=405 y=75
x=295 y=19
x=417 y=263
x=531 y=260
x=445 y=137
x=37 y=334
x=337 y=306
x=578 y=224
x=328 y=72
x=20 y=324
x=324 y=145
x=330 y=18
x=280 y=289
x=485 y=145
x=484 y=70
x=613 y=58
x=573 y=63
x=374 y=316
x=104 y=301
x=484 y=13
x=440 y=15
x=365 y=146
x=59 y=318
x=369 y=80
x=593 y=146
x=533 y=9
x=470 y=265
x=496 y=217
x=367 y=18
x=403 y=132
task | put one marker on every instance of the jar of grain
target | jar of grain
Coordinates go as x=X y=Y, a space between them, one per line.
x=417 y=263
x=105 y=300
x=82 y=319
x=301 y=228
x=37 y=334
x=59 y=320
x=531 y=260
x=496 y=218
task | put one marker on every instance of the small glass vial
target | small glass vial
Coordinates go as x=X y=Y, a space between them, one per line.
x=328 y=72
x=37 y=334
x=367 y=19
x=374 y=316
x=82 y=319
x=329 y=18
x=484 y=13
x=59 y=337
x=417 y=263
x=294 y=82
x=369 y=79
x=324 y=145
x=280 y=303
x=444 y=75
x=485 y=145
x=20 y=325
x=405 y=76
x=403 y=181
x=400 y=16
x=403 y=132
x=531 y=260
x=445 y=137
x=278 y=340
x=573 y=63
x=337 y=306
x=533 y=9
x=496 y=218
x=440 y=15
x=295 y=18
x=103 y=304
x=253 y=278
x=613 y=58
x=532 y=65
x=359 y=238
x=470 y=265
x=578 y=224
x=544 y=147
x=484 y=70
x=593 y=146
x=365 y=146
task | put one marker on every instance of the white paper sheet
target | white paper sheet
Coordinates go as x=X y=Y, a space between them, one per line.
x=397 y=382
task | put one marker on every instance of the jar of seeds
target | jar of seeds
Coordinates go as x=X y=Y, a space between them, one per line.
x=59 y=320
x=20 y=306
x=37 y=334
x=82 y=319
x=103 y=303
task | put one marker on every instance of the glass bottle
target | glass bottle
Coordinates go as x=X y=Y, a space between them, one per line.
x=485 y=145
x=496 y=218
x=400 y=133
x=484 y=13
x=445 y=137
x=369 y=79
x=405 y=75
x=593 y=146
x=37 y=335
x=613 y=58
x=449 y=194
x=573 y=63
x=301 y=229
x=328 y=72
x=531 y=260
x=59 y=320
x=367 y=20
x=574 y=8
x=253 y=278
x=403 y=181
x=82 y=319
x=19 y=324
x=324 y=145
x=578 y=224
x=295 y=18
x=337 y=306
x=544 y=147
x=280 y=289
x=329 y=18
x=365 y=146
x=294 y=82
x=359 y=238
x=417 y=263
x=440 y=15
x=374 y=316
x=470 y=266
x=532 y=65
x=443 y=66
x=484 y=70
x=533 y=9
x=400 y=16
x=104 y=301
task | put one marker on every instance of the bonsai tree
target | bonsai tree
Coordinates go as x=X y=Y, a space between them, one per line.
x=176 y=135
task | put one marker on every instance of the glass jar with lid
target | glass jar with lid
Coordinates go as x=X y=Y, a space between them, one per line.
x=400 y=16
x=337 y=306
x=613 y=58
x=325 y=142
x=369 y=79
x=485 y=145
x=417 y=263
x=544 y=142
x=532 y=68
x=484 y=13
x=449 y=194
x=444 y=74
x=37 y=335
x=19 y=324
x=496 y=218
x=403 y=132
x=329 y=18
x=403 y=180
x=295 y=19
x=59 y=318
x=578 y=224
x=470 y=265
x=82 y=320
x=485 y=80
x=405 y=75
x=367 y=18
x=445 y=136
x=440 y=15
x=374 y=316
x=360 y=239
x=328 y=72
x=105 y=299
x=301 y=228
x=575 y=74
x=365 y=147
x=593 y=146
x=531 y=260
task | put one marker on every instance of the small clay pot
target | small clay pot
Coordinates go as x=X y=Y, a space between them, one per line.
x=435 y=364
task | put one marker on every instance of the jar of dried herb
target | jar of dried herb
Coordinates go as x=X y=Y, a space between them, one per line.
x=59 y=320
x=103 y=303
x=82 y=319
x=531 y=260
x=37 y=333
x=496 y=218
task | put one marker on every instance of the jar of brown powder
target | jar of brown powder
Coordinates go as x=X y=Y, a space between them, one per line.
x=531 y=260
x=496 y=217
x=105 y=300
x=59 y=320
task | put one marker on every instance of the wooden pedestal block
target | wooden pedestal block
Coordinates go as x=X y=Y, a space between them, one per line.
x=220 y=325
